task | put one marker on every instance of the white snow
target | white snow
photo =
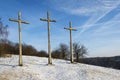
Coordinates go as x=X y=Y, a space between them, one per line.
x=36 y=68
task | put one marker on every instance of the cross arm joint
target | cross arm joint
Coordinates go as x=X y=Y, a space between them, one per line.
x=70 y=29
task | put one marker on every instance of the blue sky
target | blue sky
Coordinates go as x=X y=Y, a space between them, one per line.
x=97 y=22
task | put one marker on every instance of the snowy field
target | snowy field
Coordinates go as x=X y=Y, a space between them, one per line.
x=36 y=68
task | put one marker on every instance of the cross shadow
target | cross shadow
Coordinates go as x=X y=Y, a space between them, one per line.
x=8 y=65
x=40 y=64
x=63 y=62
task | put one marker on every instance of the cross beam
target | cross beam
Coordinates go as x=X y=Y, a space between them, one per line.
x=71 y=46
x=19 y=21
x=48 y=20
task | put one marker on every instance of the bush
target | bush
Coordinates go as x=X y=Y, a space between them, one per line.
x=42 y=53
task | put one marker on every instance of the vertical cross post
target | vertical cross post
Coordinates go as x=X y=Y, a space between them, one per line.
x=71 y=46
x=19 y=21
x=48 y=20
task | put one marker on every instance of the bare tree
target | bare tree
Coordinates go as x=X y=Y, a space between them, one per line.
x=79 y=50
x=56 y=54
x=61 y=52
x=3 y=31
x=3 y=38
x=42 y=53
x=29 y=50
x=63 y=49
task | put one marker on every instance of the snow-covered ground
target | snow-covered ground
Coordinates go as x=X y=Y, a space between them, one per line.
x=36 y=68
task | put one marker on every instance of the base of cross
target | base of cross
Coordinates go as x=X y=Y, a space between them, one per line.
x=51 y=64
x=20 y=64
x=73 y=62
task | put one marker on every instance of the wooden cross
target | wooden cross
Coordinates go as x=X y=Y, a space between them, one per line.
x=71 y=46
x=19 y=21
x=49 y=45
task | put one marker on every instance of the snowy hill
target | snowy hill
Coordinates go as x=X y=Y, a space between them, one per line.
x=36 y=68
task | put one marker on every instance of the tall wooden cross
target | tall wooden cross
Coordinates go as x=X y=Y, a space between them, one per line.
x=19 y=21
x=49 y=45
x=71 y=46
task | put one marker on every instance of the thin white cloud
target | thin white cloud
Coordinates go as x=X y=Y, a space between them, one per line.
x=84 y=7
x=110 y=27
x=107 y=28
x=87 y=10
x=96 y=17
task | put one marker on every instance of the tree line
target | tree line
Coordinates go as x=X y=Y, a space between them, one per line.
x=62 y=52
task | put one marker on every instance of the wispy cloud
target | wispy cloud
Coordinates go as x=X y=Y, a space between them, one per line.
x=111 y=24
x=84 y=7
x=96 y=16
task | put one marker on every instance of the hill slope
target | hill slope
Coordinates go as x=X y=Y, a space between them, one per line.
x=36 y=68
